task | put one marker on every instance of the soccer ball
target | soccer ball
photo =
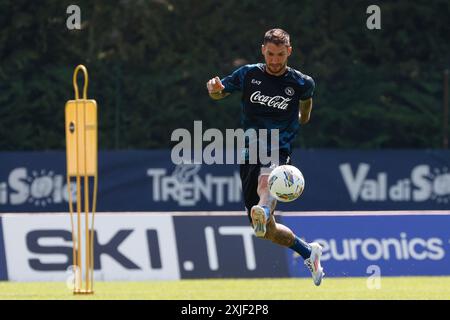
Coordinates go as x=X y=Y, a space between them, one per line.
x=286 y=183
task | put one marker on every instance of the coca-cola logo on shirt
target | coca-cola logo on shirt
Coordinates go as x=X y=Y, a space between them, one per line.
x=278 y=102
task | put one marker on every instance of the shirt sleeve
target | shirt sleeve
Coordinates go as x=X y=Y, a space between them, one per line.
x=235 y=81
x=309 y=87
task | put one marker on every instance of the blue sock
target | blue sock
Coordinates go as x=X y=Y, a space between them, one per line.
x=301 y=247
x=267 y=210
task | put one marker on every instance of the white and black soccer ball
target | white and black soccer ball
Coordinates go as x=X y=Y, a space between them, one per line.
x=286 y=183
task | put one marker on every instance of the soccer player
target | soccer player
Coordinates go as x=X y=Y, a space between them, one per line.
x=274 y=96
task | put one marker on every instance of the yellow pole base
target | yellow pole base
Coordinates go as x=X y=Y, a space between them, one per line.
x=82 y=292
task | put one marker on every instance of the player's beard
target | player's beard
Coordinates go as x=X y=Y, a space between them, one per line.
x=277 y=69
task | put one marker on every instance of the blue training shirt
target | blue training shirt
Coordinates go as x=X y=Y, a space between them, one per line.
x=270 y=102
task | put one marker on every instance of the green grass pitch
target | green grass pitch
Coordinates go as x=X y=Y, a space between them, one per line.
x=398 y=288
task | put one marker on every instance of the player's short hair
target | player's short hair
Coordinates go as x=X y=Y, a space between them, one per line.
x=277 y=36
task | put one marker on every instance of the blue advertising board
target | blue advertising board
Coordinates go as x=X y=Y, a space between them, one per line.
x=3 y=268
x=149 y=181
x=373 y=180
x=225 y=247
x=395 y=245
x=149 y=246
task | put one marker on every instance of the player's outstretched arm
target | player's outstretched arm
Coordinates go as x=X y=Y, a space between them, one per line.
x=305 y=108
x=215 y=88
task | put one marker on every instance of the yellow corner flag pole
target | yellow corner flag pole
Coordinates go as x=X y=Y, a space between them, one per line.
x=82 y=167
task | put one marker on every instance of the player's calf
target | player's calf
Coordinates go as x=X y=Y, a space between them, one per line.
x=279 y=234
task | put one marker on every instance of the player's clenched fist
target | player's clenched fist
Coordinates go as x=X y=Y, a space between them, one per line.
x=214 y=85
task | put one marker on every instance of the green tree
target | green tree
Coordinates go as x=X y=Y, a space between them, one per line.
x=148 y=63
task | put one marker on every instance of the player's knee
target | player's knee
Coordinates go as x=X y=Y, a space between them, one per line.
x=270 y=231
x=268 y=236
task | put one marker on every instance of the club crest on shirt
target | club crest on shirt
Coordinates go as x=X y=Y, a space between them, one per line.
x=289 y=91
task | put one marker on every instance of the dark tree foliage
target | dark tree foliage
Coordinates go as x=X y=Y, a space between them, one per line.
x=149 y=61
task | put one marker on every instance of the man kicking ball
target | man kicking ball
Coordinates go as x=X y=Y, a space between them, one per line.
x=274 y=96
